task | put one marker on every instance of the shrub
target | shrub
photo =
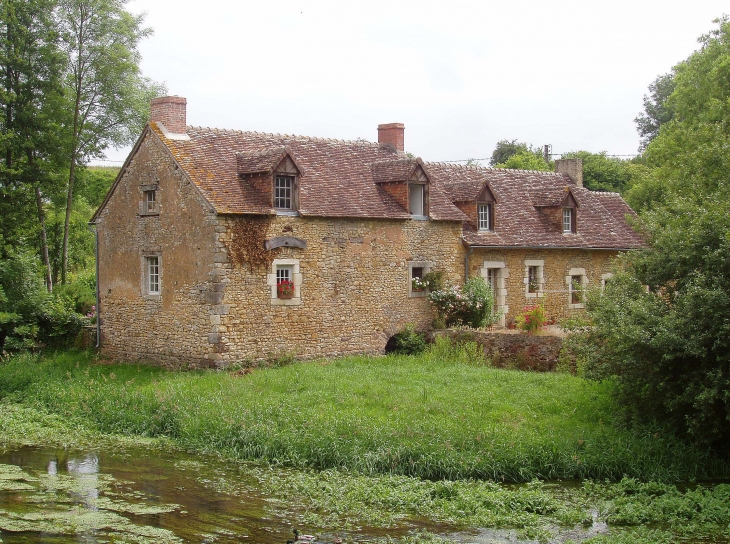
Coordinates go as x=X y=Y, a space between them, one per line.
x=407 y=342
x=471 y=305
x=531 y=318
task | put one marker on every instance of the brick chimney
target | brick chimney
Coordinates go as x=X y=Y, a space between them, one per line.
x=572 y=167
x=170 y=111
x=392 y=133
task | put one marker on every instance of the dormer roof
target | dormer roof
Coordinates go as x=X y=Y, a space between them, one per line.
x=399 y=170
x=264 y=161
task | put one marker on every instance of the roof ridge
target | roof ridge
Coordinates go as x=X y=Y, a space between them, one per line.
x=314 y=139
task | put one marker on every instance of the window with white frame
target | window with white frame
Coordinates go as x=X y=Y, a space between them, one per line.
x=416 y=272
x=283 y=189
x=150 y=201
x=484 y=214
x=285 y=281
x=568 y=220
x=534 y=278
x=152 y=274
x=577 y=283
x=417 y=199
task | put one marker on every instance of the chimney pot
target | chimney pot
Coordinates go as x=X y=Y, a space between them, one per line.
x=572 y=167
x=392 y=134
x=170 y=111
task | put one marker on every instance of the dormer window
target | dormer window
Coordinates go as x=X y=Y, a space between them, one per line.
x=417 y=199
x=283 y=188
x=485 y=216
x=568 y=220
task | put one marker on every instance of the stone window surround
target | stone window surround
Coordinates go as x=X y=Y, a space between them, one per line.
x=296 y=300
x=144 y=283
x=426 y=266
x=540 y=264
x=604 y=279
x=143 y=206
x=583 y=284
x=500 y=291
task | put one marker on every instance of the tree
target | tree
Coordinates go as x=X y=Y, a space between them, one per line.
x=526 y=160
x=669 y=347
x=31 y=64
x=657 y=111
x=505 y=149
x=108 y=98
x=601 y=172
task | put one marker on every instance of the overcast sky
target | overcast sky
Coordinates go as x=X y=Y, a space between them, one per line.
x=460 y=75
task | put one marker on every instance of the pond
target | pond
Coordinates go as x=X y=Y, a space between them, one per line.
x=132 y=495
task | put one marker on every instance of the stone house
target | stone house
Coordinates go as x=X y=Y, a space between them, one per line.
x=202 y=227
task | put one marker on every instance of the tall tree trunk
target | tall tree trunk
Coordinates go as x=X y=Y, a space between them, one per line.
x=67 y=222
x=44 y=239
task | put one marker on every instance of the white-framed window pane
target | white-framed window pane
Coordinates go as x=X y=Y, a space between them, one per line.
x=567 y=220
x=485 y=220
x=576 y=289
x=150 y=201
x=532 y=279
x=283 y=192
x=283 y=274
x=153 y=275
x=415 y=198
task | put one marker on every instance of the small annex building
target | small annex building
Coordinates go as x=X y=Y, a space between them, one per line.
x=202 y=225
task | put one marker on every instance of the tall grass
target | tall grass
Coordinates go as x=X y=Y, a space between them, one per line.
x=443 y=415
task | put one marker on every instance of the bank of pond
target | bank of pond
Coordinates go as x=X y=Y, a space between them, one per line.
x=435 y=448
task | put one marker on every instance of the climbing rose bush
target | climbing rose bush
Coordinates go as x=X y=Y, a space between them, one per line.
x=471 y=305
x=531 y=318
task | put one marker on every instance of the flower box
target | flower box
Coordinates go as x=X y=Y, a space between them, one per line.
x=285 y=289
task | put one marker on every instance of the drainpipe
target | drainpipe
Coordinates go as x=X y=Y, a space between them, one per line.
x=92 y=228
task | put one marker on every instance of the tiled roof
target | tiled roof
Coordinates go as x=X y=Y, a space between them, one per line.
x=260 y=161
x=520 y=223
x=337 y=179
x=344 y=179
x=394 y=170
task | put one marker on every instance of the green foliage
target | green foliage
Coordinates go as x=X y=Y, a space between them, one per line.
x=657 y=111
x=408 y=341
x=94 y=182
x=526 y=160
x=505 y=149
x=604 y=173
x=669 y=347
x=419 y=416
x=472 y=305
x=29 y=315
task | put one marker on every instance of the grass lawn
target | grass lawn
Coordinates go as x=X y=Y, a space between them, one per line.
x=443 y=415
x=378 y=440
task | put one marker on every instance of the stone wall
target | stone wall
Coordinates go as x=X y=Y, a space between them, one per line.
x=353 y=277
x=354 y=291
x=512 y=349
x=554 y=291
x=172 y=327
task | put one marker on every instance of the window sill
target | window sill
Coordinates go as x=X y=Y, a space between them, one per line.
x=534 y=295
x=419 y=217
x=288 y=213
x=153 y=297
x=417 y=294
x=148 y=214
x=579 y=306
